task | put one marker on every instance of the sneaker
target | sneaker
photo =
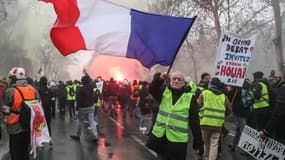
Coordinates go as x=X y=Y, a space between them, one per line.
x=143 y=128
x=75 y=137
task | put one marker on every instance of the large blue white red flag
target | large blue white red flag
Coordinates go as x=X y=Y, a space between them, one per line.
x=118 y=31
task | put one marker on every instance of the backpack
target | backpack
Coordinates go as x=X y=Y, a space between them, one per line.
x=25 y=113
x=71 y=91
x=247 y=98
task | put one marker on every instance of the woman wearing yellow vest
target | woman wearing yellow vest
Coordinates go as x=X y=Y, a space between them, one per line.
x=213 y=103
x=178 y=111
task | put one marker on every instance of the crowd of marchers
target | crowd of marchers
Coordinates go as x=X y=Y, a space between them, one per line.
x=167 y=108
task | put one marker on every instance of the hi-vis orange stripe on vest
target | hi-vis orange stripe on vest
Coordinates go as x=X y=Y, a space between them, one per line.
x=28 y=93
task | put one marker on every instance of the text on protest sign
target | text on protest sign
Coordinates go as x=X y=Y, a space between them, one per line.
x=233 y=58
x=268 y=149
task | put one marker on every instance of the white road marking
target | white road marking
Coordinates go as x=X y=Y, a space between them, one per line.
x=117 y=123
x=142 y=144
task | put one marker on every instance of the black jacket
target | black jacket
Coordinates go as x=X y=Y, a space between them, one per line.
x=85 y=96
x=157 y=88
x=238 y=107
x=276 y=123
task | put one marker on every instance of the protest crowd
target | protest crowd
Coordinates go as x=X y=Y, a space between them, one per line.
x=204 y=106
x=173 y=113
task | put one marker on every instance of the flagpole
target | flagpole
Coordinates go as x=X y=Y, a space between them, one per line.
x=170 y=67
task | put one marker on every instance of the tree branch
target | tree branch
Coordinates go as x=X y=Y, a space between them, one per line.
x=204 y=4
x=251 y=18
x=258 y=26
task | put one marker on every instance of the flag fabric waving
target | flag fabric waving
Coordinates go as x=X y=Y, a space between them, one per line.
x=110 y=29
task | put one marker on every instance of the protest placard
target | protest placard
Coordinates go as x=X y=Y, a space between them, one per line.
x=267 y=149
x=233 y=58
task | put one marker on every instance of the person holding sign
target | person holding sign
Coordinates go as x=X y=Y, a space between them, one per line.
x=213 y=105
x=261 y=107
x=243 y=100
x=275 y=127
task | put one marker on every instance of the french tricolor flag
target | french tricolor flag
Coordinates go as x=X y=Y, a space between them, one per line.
x=118 y=31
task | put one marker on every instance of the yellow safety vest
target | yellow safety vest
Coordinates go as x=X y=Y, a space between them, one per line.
x=193 y=86
x=69 y=97
x=264 y=100
x=98 y=103
x=173 y=120
x=213 y=110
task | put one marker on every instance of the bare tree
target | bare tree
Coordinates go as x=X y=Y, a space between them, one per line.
x=277 y=41
x=3 y=12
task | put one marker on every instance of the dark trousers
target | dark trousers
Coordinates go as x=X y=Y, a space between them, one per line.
x=61 y=103
x=167 y=150
x=53 y=108
x=48 y=120
x=71 y=106
x=19 y=146
x=261 y=117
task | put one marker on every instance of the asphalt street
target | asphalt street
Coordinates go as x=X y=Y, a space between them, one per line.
x=119 y=139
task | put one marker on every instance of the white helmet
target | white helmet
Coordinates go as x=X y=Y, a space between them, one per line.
x=17 y=73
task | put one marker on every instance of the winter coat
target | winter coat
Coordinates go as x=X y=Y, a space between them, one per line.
x=157 y=88
x=276 y=123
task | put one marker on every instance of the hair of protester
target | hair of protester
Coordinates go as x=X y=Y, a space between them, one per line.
x=258 y=75
x=203 y=75
x=177 y=72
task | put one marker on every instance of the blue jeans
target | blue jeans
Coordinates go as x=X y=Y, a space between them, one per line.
x=83 y=114
x=240 y=123
x=96 y=112
x=143 y=119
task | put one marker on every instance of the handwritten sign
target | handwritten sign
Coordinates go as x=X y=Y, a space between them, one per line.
x=268 y=149
x=233 y=58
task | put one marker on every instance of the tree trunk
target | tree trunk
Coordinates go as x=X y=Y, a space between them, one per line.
x=215 y=9
x=190 y=51
x=277 y=41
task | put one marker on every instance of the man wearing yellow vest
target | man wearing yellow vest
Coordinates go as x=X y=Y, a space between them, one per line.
x=71 y=94
x=261 y=109
x=204 y=83
x=178 y=111
x=213 y=103
x=19 y=137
